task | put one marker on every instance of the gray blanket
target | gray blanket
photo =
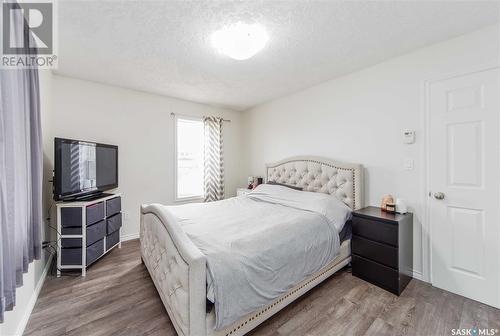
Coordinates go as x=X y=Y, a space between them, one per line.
x=260 y=245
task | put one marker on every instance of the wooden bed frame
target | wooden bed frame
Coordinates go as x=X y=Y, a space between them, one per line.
x=178 y=268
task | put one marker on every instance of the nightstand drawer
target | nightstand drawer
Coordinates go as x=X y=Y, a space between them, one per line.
x=376 y=273
x=375 y=230
x=378 y=252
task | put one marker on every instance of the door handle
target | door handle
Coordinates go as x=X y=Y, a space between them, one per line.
x=439 y=195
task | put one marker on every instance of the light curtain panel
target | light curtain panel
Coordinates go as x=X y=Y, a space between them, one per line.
x=214 y=159
x=21 y=160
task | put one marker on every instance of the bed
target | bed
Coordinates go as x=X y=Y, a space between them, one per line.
x=216 y=284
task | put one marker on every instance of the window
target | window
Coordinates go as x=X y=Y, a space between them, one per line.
x=189 y=158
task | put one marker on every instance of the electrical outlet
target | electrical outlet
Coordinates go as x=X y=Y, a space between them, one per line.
x=125 y=215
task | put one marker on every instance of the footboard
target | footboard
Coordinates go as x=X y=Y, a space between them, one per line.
x=177 y=267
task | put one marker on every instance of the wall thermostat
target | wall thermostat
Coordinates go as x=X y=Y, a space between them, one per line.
x=409 y=136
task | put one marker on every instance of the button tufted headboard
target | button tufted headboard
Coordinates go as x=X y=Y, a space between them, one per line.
x=318 y=174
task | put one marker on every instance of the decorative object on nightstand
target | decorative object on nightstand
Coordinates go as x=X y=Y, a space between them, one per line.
x=401 y=206
x=257 y=181
x=390 y=208
x=254 y=181
x=382 y=248
x=242 y=191
x=387 y=199
x=251 y=179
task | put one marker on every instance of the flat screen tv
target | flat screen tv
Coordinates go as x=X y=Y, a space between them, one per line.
x=83 y=169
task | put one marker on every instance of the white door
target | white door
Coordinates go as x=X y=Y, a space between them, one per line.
x=464 y=174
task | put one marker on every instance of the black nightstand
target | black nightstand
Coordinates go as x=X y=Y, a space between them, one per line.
x=382 y=248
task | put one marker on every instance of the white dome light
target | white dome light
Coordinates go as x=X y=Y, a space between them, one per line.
x=240 y=41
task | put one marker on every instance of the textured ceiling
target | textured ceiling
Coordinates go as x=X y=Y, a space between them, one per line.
x=164 y=46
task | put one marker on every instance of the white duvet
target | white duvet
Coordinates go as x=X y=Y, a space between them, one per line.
x=260 y=245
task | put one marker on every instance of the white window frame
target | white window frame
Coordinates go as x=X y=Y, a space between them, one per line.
x=176 y=192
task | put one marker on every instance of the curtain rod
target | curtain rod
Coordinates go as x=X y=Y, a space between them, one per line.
x=190 y=116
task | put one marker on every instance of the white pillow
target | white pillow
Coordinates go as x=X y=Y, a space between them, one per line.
x=335 y=211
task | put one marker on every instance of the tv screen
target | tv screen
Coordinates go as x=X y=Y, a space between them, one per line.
x=83 y=168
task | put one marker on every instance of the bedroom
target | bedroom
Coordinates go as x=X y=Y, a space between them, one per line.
x=349 y=101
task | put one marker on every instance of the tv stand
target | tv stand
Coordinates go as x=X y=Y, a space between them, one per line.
x=87 y=230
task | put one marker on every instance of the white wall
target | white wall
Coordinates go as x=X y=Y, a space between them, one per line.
x=26 y=295
x=141 y=125
x=360 y=118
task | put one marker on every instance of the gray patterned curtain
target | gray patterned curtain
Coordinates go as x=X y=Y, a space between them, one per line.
x=20 y=177
x=214 y=159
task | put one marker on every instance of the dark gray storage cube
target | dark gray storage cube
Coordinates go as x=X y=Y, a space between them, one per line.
x=95 y=232
x=95 y=213
x=114 y=223
x=112 y=239
x=113 y=206
x=71 y=256
x=71 y=217
x=94 y=251
x=71 y=242
x=71 y=230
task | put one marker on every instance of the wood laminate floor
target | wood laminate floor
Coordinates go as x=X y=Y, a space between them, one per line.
x=118 y=298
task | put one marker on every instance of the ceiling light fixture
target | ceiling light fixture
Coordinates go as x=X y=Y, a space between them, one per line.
x=240 y=41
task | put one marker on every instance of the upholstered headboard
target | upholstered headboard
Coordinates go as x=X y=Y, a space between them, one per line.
x=313 y=173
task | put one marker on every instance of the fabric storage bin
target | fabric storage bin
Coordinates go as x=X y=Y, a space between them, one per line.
x=114 y=223
x=71 y=230
x=112 y=239
x=71 y=242
x=95 y=232
x=94 y=251
x=113 y=206
x=95 y=213
x=71 y=217
x=71 y=256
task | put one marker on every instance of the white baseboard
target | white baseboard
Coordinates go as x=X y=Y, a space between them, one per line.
x=130 y=236
x=418 y=275
x=31 y=304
